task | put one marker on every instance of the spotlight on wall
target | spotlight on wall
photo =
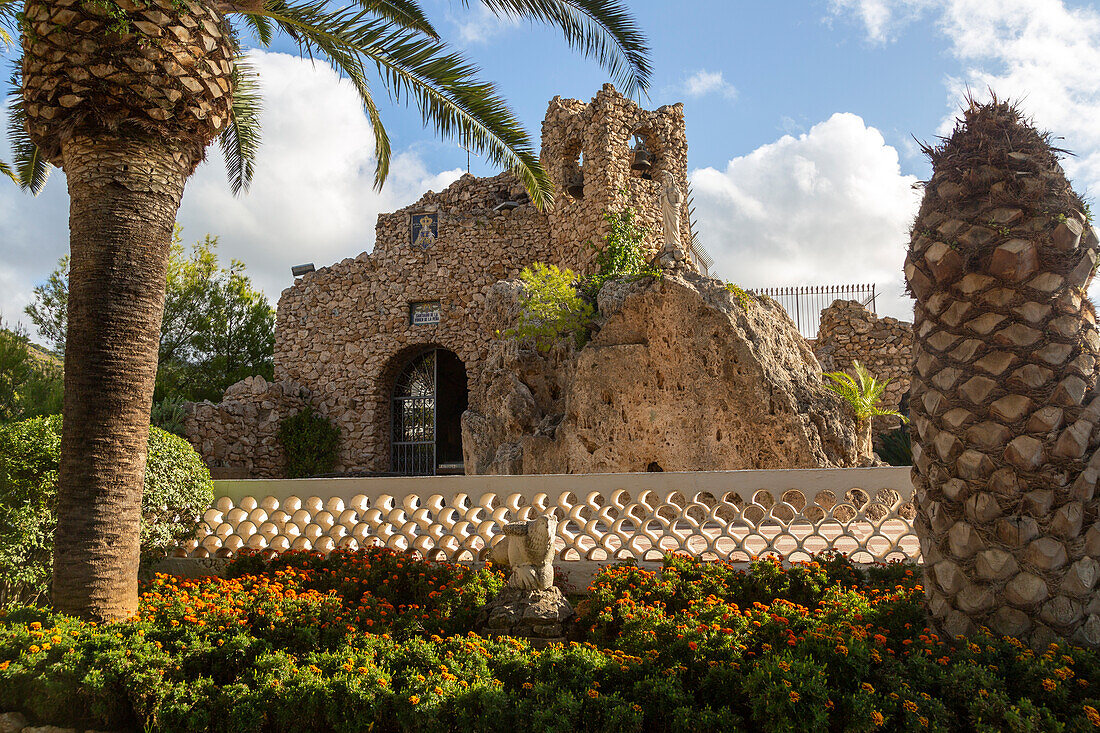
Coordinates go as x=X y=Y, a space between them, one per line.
x=299 y=270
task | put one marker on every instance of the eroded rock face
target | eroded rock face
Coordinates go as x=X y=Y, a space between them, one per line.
x=680 y=376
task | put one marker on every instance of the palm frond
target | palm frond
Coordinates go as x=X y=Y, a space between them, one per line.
x=6 y=170
x=241 y=139
x=9 y=21
x=31 y=169
x=406 y=13
x=261 y=28
x=863 y=393
x=419 y=69
x=600 y=29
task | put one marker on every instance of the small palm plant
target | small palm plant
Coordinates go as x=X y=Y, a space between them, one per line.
x=863 y=393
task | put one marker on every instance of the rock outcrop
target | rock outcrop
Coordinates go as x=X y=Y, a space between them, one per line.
x=682 y=374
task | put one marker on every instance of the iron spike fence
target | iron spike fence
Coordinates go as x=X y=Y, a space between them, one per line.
x=804 y=303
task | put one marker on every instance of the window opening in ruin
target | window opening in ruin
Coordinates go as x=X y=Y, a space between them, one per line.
x=429 y=397
x=573 y=172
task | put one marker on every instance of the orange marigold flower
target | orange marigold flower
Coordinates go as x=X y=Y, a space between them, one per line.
x=867 y=687
x=414 y=699
x=593 y=693
x=910 y=706
x=1049 y=685
x=794 y=696
x=876 y=718
x=1092 y=715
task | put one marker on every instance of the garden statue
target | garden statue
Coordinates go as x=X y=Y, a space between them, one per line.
x=531 y=606
x=528 y=549
x=671 y=199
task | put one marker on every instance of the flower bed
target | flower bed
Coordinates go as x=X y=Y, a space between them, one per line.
x=377 y=639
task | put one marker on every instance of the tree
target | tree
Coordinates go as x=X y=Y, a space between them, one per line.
x=49 y=311
x=216 y=330
x=1004 y=391
x=30 y=381
x=863 y=393
x=125 y=96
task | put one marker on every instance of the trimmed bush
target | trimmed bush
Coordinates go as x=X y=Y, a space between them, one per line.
x=177 y=491
x=310 y=442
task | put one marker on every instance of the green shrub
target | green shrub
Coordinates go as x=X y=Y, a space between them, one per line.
x=310 y=442
x=352 y=642
x=550 y=308
x=623 y=254
x=177 y=491
x=896 y=447
x=168 y=415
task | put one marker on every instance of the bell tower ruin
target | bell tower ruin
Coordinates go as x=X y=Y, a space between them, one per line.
x=607 y=155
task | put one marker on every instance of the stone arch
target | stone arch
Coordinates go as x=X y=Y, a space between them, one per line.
x=427 y=389
x=656 y=147
x=572 y=169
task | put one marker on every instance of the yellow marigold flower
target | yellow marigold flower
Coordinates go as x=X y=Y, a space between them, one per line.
x=4 y=665
x=414 y=699
x=876 y=718
x=866 y=687
x=910 y=706
x=527 y=686
x=593 y=693
x=1049 y=685
x=1092 y=715
x=794 y=696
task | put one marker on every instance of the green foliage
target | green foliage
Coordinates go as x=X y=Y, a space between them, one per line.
x=217 y=328
x=551 y=308
x=50 y=310
x=177 y=490
x=622 y=256
x=863 y=393
x=168 y=415
x=31 y=383
x=310 y=442
x=376 y=640
x=743 y=297
x=896 y=447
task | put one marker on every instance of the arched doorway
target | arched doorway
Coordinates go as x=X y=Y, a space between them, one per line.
x=429 y=397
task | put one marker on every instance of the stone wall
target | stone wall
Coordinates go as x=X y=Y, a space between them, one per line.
x=345 y=333
x=238 y=437
x=849 y=332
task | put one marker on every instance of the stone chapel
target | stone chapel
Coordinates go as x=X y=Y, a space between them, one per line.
x=387 y=344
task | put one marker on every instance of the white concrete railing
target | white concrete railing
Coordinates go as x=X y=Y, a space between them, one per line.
x=732 y=515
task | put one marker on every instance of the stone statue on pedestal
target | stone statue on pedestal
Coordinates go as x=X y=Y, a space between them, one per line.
x=671 y=200
x=530 y=607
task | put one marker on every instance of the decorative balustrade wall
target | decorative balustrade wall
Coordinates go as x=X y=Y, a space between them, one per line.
x=733 y=515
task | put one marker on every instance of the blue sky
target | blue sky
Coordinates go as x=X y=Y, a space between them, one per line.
x=800 y=118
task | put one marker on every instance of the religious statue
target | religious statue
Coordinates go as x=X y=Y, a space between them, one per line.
x=425 y=237
x=528 y=549
x=671 y=199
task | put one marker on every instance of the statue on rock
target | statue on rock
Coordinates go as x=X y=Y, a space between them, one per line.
x=528 y=549
x=530 y=607
x=671 y=202
x=1004 y=400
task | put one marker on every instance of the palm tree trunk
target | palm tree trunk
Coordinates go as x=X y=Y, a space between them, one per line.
x=124 y=193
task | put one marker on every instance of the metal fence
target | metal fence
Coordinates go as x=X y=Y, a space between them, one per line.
x=804 y=303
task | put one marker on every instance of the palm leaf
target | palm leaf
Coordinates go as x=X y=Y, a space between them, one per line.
x=600 y=29
x=420 y=69
x=406 y=13
x=241 y=139
x=7 y=171
x=862 y=392
x=9 y=21
x=261 y=28
x=31 y=169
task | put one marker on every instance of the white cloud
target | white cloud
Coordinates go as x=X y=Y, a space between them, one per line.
x=312 y=198
x=881 y=18
x=1042 y=54
x=703 y=83
x=477 y=24
x=830 y=206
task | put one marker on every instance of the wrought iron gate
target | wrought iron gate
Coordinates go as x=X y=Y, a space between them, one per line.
x=413 y=417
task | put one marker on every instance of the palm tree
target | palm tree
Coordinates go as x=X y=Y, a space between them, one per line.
x=863 y=393
x=1004 y=390
x=125 y=96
